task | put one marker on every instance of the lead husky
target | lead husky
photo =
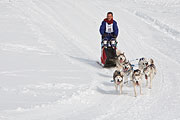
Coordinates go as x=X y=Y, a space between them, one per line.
x=118 y=80
x=143 y=62
x=150 y=72
x=137 y=80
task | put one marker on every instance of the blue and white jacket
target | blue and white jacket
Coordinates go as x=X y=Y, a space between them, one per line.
x=109 y=27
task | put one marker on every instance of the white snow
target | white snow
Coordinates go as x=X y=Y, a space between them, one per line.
x=48 y=54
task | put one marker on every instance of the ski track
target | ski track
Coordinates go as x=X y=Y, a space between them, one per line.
x=77 y=87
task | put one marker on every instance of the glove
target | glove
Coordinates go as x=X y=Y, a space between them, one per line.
x=104 y=35
x=114 y=36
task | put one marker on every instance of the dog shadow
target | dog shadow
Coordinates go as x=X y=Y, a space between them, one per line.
x=104 y=75
x=107 y=84
x=110 y=92
x=113 y=91
x=128 y=85
x=92 y=63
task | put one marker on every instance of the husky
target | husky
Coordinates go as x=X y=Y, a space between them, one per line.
x=137 y=80
x=118 y=80
x=149 y=72
x=120 y=60
x=143 y=62
x=127 y=71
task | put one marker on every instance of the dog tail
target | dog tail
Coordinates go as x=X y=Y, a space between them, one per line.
x=152 y=64
x=155 y=70
x=151 y=61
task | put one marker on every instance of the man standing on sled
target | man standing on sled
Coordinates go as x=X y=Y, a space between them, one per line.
x=109 y=31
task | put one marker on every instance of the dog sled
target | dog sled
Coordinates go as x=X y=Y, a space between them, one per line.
x=108 y=52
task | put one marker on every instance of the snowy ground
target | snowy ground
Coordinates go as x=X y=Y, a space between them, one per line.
x=48 y=54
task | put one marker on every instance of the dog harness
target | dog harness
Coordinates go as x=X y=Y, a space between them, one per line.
x=128 y=71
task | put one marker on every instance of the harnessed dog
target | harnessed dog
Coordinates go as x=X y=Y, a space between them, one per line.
x=137 y=80
x=118 y=80
x=149 y=72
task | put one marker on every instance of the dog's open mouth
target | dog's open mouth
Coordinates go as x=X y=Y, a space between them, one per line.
x=119 y=82
x=121 y=61
x=126 y=69
x=137 y=83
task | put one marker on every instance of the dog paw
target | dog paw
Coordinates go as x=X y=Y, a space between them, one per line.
x=150 y=87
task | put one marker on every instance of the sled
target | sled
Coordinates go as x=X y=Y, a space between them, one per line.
x=108 y=53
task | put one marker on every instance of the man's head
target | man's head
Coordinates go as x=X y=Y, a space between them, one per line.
x=109 y=16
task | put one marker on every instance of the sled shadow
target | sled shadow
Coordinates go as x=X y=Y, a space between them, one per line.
x=92 y=63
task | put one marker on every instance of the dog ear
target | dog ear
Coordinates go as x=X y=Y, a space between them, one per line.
x=118 y=56
x=121 y=74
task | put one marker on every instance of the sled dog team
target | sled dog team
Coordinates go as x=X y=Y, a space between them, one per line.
x=124 y=71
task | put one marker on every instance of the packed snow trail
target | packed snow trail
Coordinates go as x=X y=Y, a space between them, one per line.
x=49 y=51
